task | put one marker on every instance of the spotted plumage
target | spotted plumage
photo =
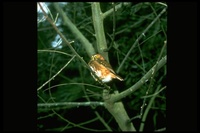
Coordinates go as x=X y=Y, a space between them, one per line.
x=102 y=69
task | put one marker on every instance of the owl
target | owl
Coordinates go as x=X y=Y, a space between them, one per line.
x=102 y=69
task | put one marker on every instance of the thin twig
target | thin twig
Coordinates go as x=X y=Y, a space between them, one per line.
x=72 y=49
x=75 y=125
x=136 y=42
x=143 y=80
x=70 y=104
x=152 y=79
x=56 y=73
x=114 y=25
x=65 y=84
x=64 y=39
x=67 y=22
x=93 y=106
x=147 y=110
x=156 y=93
x=117 y=7
x=55 y=51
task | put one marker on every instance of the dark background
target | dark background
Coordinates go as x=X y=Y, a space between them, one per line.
x=20 y=68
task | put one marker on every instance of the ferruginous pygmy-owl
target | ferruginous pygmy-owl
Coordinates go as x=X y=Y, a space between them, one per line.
x=102 y=69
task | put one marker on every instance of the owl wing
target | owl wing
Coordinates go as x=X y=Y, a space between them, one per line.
x=107 y=65
x=103 y=65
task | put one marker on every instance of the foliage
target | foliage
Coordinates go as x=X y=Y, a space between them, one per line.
x=75 y=83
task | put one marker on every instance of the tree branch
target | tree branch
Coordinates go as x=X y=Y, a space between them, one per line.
x=145 y=78
x=70 y=104
x=117 y=7
x=90 y=48
x=119 y=113
x=56 y=73
x=116 y=109
x=66 y=21
x=99 y=29
x=136 y=42
x=148 y=108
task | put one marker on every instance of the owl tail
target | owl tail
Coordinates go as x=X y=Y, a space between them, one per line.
x=119 y=78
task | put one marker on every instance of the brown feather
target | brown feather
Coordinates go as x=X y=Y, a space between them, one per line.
x=102 y=68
